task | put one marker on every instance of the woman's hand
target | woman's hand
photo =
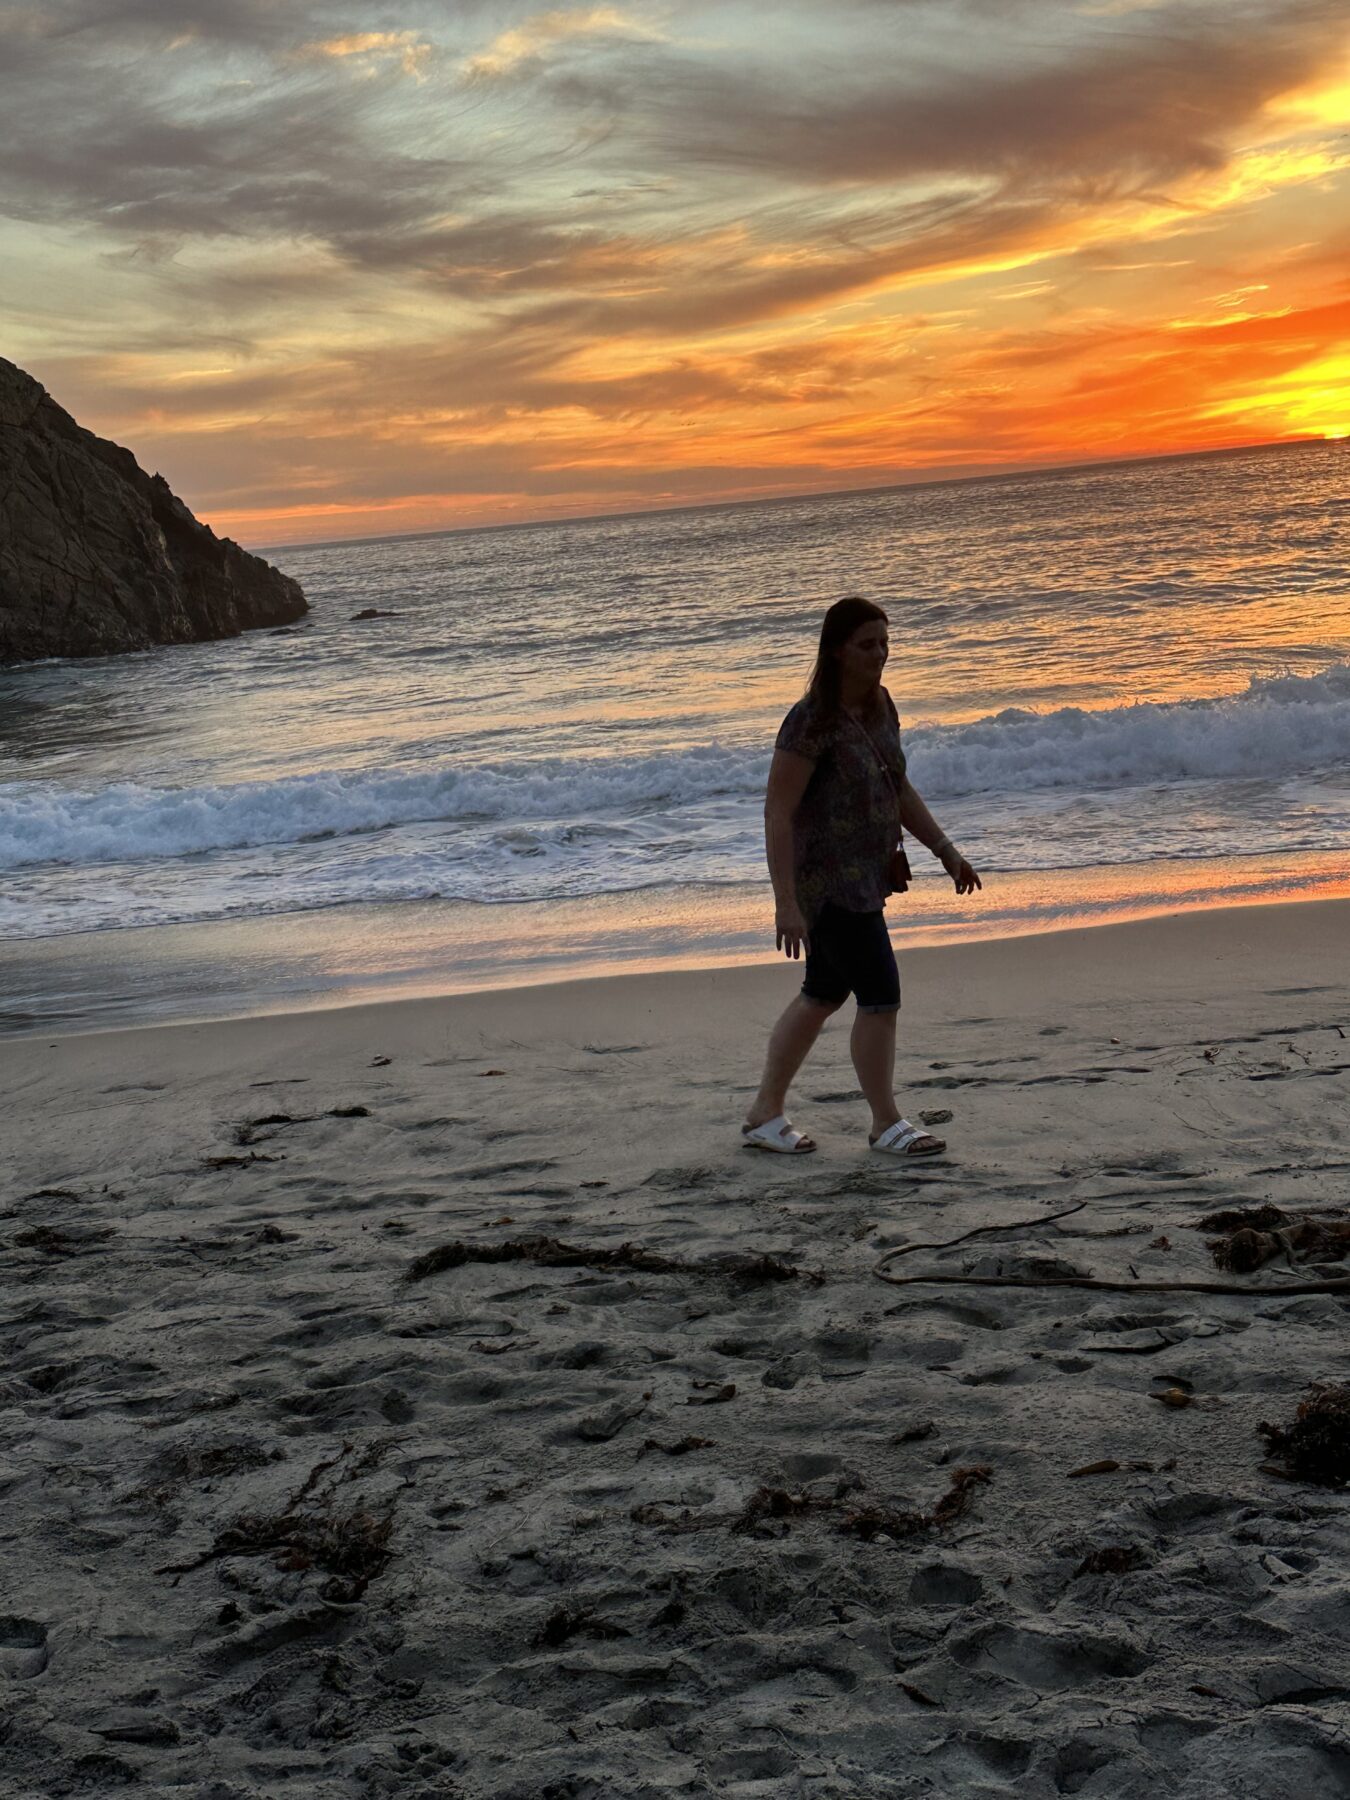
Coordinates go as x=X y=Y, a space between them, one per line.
x=961 y=872
x=791 y=936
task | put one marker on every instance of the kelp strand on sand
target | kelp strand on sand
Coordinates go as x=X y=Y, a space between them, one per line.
x=1333 y=1285
x=1254 y=1236
x=549 y=1253
x=1235 y=1218
x=679 y=1447
x=350 y=1545
x=1316 y=1447
x=852 y=1518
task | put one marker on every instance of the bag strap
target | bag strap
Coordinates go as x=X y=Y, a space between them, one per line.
x=886 y=768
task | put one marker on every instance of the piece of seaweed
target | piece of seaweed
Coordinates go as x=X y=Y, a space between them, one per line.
x=1298 y=1240
x=866 y=1521
x=1316 y=1447
x=1327 y=1285
x=1243 y=1218
x=549 y=1253
x=350 y=1545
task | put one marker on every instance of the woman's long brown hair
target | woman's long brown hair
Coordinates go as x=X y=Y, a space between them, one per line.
x=837 y=627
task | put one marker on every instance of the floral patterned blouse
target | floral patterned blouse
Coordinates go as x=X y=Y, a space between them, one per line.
x=848 y=821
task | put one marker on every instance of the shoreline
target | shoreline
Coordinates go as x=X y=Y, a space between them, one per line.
x=333 y=958
x=1125 y=959
x=648 y=1524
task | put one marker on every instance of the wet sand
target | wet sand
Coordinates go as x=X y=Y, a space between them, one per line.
x=281 y=1521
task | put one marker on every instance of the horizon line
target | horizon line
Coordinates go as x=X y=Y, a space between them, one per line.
x=1016 y=473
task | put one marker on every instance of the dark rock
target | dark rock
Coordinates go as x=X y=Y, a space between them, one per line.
x=373 y=612
x=98 y=557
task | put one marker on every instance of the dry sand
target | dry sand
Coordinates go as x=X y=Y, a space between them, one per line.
x=197 y=1350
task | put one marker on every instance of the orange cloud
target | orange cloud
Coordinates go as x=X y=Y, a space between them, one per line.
x=409 y=50
x=526 y=42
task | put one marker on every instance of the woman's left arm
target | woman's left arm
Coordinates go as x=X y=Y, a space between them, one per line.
x=920 y=823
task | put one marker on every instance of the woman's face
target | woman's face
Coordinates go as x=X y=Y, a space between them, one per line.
x=862 y=657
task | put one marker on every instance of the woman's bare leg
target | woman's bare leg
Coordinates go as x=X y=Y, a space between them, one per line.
x=872 y=1047
x=797 y=1029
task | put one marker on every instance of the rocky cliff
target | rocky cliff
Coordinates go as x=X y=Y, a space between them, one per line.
x=96 y=556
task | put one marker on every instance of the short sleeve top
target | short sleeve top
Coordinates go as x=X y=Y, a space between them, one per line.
x=848 y=821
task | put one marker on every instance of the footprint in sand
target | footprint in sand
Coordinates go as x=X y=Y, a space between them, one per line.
x=942 y=1584
x=1051 y=1661
x=23 y=1646
x=752 y=1765
x=1077 y=1762
x=811 y=1465
x=1006 y=1757
x=535 y=1165
x=979 y=1318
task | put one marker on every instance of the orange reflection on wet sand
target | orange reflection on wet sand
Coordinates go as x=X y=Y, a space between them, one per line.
x=345 y=956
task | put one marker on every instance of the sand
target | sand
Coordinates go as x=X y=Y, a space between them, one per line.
x=279 y=1521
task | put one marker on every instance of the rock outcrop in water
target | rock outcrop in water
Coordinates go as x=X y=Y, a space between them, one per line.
x=97 y=557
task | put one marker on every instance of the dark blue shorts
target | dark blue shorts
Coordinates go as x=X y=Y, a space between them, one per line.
x=851 y=954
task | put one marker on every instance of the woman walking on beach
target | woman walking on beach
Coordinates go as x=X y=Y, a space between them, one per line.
x=837 y=800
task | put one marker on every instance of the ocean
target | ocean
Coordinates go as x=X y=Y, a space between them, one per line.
x=1123 y=689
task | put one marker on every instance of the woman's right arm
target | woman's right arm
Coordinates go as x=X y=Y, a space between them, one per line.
x=788 y=778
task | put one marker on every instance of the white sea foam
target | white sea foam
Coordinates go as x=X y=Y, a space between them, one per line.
x=1278 y=727
x=46 y=824
x=1281 y=725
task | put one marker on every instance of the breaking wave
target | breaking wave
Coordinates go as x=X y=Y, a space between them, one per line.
x=1280 y=726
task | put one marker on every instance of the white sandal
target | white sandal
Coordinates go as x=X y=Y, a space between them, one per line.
x=904 y=1139
x=778 y=1135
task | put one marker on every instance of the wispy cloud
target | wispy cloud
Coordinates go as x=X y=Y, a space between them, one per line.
x=532 y=40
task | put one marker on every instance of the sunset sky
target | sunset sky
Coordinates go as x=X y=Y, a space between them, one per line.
x=342 y=270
